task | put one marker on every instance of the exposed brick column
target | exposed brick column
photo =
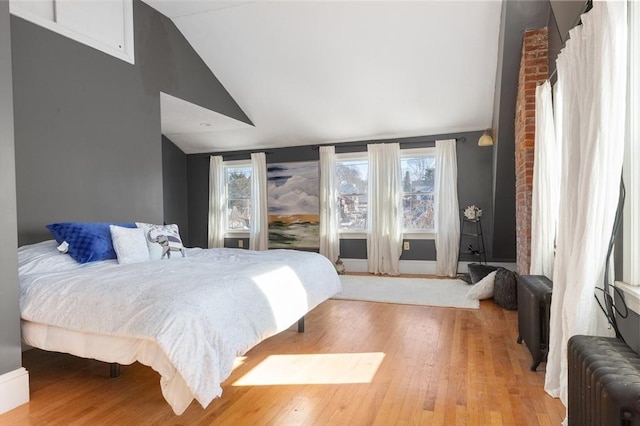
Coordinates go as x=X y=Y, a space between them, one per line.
x=533 y=71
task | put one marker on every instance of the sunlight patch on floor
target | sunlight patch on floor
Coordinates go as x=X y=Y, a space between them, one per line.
x=314 y=369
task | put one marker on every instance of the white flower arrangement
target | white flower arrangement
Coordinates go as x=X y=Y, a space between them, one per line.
x=472 y=212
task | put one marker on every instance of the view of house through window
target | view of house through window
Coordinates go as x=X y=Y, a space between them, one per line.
x=352 y=200
x=418 y=198
x=418 y=182
x=238 y=197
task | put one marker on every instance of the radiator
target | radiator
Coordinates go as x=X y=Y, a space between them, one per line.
x=603 y=382
x=534 y=309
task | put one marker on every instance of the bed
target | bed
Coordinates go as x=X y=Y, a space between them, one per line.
x=187 y=317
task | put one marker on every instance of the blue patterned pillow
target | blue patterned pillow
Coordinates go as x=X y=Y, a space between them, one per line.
x=88 y=241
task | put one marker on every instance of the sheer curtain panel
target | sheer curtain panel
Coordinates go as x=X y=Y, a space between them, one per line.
x=546 y=186
x=592 y=73
x=259 y=227
x=384 y=223
x=217 y=197
x=329 y=225
x=448 y=213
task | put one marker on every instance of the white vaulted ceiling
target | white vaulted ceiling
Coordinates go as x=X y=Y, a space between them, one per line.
x=313 y=72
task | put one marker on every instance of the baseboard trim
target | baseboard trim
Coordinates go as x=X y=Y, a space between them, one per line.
x=14 y=389
x=355 y=265
x=427 y=267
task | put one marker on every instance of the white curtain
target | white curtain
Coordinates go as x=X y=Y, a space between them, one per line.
x=546 y=186
x=384 y=221
x=592 y=77
x=329 y=224
x=217 y=197
x=448 y=213
x=259 y=228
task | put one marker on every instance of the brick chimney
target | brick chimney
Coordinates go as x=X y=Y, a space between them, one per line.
x=533 y=71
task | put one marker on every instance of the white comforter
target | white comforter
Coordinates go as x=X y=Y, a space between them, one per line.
x=202 y=310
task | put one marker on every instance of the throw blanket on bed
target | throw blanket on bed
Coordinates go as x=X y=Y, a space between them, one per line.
x=202 y=310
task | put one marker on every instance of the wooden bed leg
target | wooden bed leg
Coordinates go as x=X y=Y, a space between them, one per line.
x=114 y=370
x=301 y=325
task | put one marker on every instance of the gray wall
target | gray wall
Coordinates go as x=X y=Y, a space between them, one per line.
x=10 y=356
x=87 y=125
x=564 y=16
x=87 y=135
x=198 y=200
x=474 y=187
x=166 y=61
x=174 y=186
x=517 y=16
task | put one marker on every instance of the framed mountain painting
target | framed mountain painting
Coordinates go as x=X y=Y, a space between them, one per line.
x=294 y=205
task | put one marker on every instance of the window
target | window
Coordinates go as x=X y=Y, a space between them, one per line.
x=238 y=184
x=631 y=167
x=418 y=184
x=353 y=174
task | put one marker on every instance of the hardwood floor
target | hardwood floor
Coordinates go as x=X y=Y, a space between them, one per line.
x=409 y=365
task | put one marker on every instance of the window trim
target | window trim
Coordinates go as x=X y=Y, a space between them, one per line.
x=419 y=234
x=631 y=165
x=427 y=151
x=630 y=283
x=352 y=156
x=353 y=234
x=233 y=164
x=413 y=234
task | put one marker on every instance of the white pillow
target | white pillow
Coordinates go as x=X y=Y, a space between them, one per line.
x=483 y=289
x=160 y=236
x=129 y=244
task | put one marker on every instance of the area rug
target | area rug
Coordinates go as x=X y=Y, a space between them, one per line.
x=408 y=291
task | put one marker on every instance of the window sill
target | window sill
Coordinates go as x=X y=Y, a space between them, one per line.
x=406 y=235
x=236 y=234
x=631 y=295
x=353 y=235
x=419 y=235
